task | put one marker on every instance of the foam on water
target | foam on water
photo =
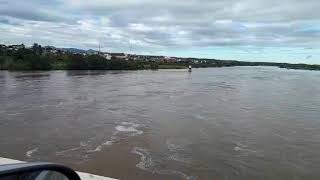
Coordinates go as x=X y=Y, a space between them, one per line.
x=179 y=173
x=147 y=164
x=108 y=143
x=200 y=117
x=126 y=128
x=177 y=144
x=177 y=157
x=30 y=152
x=82 y=144
x=145 y=159
x=98 y=148
x=237 y=148
x=244 y=148
x=176 y=150
x=67 y=150
x=129 y=128
x=14 y=114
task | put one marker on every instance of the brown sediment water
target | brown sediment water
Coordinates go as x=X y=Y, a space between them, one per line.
x=118 y=162
x=233 y=123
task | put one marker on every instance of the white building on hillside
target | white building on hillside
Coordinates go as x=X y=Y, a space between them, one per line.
x=108 y=56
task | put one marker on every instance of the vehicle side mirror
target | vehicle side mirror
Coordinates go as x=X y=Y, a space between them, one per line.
x=37 y=171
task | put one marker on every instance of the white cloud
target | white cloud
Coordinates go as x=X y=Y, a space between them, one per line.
x=139 y=27
x=159 y=25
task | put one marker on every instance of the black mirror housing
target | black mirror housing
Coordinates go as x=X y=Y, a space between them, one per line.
x=25 y=168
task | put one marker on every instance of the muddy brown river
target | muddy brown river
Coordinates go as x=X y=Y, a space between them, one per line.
x=234 y=123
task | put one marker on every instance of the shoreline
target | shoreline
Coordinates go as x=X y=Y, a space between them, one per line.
x=165 y=68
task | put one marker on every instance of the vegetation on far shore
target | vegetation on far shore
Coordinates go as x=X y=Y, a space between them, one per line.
x=35 y=59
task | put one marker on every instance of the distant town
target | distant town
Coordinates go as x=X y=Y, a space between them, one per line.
x=37 y=57
x=107 y=55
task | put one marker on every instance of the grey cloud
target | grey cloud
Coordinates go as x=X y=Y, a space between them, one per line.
x=168 y=24
x=243 y=10
x=309 y=57
x=33 y=10
x=8 y=21
x=27 y=15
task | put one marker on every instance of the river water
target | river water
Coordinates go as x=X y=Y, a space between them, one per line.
x=215 y=123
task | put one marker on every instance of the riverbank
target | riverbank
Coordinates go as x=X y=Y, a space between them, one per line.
x=98 y=63
x=28 y=59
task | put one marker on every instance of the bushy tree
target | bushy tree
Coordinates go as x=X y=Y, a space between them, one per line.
x=154 y=66
x=77 y=62
x=37 y=49
x=97 y=62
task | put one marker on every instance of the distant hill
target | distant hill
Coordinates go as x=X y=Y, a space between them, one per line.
x=91 y=51
x=76 y=50
x=73 y=50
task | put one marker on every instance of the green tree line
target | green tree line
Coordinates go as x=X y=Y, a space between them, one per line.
x=35 y=59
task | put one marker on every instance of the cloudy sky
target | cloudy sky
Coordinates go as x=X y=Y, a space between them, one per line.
x=254 y=30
